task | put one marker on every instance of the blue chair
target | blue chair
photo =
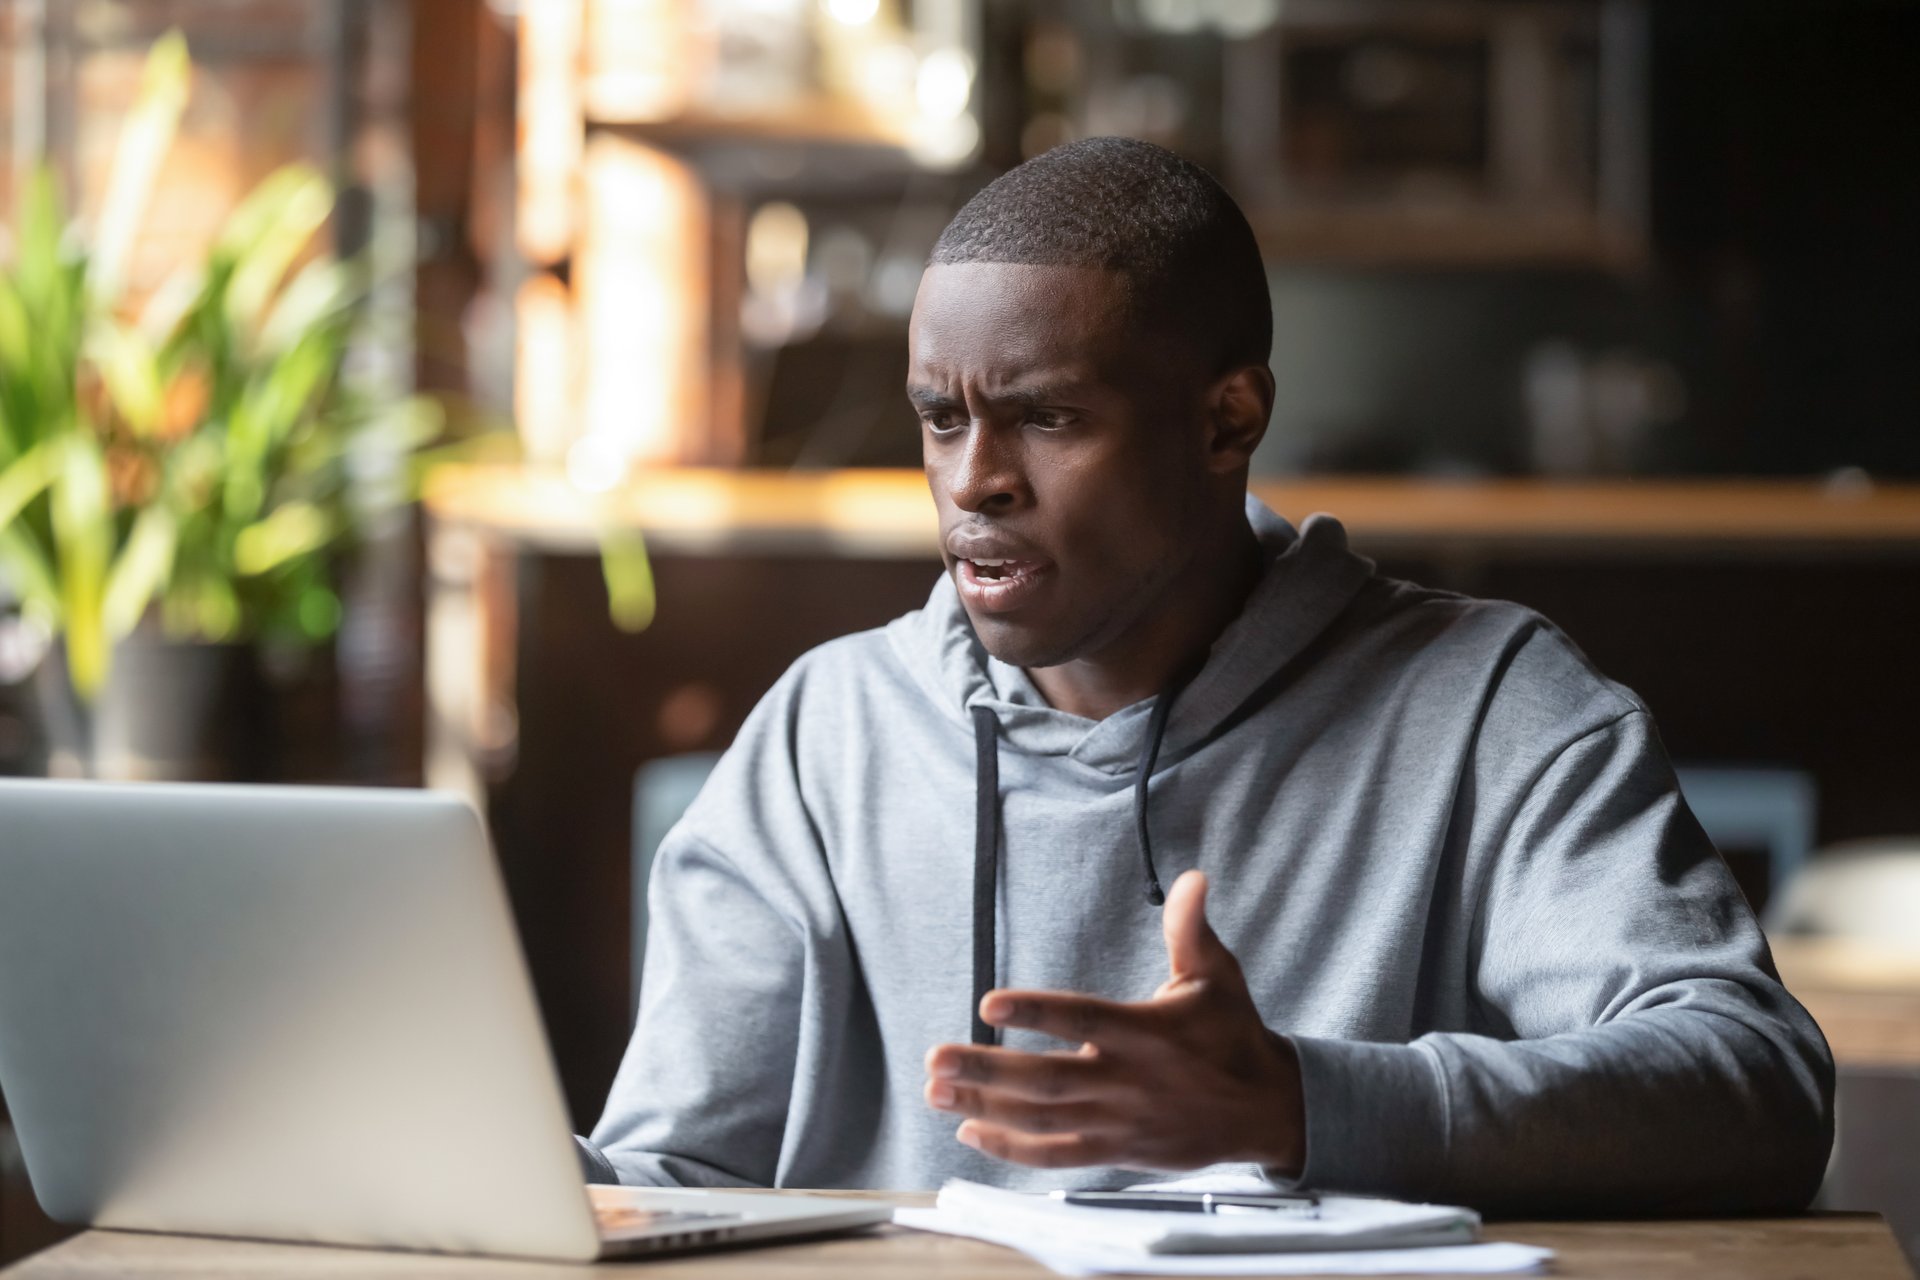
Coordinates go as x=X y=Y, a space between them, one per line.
x=662 y=790
x=1755 y=806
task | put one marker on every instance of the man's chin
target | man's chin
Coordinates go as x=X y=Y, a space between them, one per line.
x=1021 y=645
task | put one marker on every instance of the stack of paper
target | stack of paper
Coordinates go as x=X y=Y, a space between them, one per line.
x=1351 y=1235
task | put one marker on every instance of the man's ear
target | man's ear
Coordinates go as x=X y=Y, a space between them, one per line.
x=1238 y=407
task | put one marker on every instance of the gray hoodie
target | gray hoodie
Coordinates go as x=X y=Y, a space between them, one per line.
x=1450 y=857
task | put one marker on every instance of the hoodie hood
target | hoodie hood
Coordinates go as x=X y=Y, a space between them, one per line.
x=1310 y=577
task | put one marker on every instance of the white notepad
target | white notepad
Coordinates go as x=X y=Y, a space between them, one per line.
x=1344 y=1222
x=1352 y=1235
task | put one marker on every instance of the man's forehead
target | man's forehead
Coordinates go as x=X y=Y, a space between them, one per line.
x=1017 y=319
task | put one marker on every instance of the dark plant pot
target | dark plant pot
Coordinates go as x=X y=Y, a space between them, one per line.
x=66 y=723
x=172 y=711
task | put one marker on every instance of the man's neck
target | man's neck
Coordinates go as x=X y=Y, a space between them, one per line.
x=1179 y=630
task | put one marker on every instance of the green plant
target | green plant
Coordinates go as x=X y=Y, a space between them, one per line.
x=263 y=487
x=201 y=454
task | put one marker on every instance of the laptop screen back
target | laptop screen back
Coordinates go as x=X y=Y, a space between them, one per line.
x=285 y=1013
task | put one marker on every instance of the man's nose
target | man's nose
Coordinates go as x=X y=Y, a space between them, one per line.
x=986 y=475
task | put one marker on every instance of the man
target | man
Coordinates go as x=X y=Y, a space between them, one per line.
x=1442 y=928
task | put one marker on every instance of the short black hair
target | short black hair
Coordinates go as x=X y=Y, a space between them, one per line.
x=1138 y=209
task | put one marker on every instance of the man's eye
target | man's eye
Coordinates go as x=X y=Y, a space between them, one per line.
x=940 y=424
x=1047 y=420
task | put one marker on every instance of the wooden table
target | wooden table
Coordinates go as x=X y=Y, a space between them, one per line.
x=1854 y=1246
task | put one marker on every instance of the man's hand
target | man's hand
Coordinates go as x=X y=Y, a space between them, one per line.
x=1189 y=1078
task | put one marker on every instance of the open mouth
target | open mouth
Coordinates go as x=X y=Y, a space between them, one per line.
x=997 y=585
x=999 y=570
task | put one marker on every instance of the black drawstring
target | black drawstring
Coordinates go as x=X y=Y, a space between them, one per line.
x=986 y=833
x=1143 y=774
x=986 y=860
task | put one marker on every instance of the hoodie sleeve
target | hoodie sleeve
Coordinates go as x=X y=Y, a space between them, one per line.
x=1639 y=1055
x=701 y=1097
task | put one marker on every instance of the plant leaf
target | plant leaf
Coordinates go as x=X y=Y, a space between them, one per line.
x=47 y=304
x=83 y=540
x=32 y=575
x=628 y=569
x=28 y=476
x=318 y=612
x=293 y=530
x=139 y=571
x=16 y=391
x=145 y=139
x=131 y=373
x=37 y=249
x=266 y=415
x=168 y=306
x=217 y=615
x=21 y=555
x=319 y=293
x=267 y=233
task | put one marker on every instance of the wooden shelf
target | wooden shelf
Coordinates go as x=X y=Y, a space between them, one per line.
x=822 y=121
x=886 y=513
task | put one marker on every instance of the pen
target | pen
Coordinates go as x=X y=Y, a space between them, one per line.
x=1303 y=1204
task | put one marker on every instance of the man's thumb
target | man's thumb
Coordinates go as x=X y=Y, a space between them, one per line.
x=1193 y=949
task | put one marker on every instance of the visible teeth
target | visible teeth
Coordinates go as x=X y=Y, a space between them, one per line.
x=989 y=564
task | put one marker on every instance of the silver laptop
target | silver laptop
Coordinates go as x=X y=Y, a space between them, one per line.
x=301 y=1014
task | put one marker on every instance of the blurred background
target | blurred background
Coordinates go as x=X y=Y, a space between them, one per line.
x=498 y=394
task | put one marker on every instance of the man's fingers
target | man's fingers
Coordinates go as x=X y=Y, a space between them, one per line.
x=1041 y=1077
x=997 y=1108
x=1193 y=949
x=1050 y=1151
x=1080 y=1019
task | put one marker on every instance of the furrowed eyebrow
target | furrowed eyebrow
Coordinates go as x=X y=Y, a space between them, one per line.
x=1027 y=397
x=1039 y=395
x=928 y=398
